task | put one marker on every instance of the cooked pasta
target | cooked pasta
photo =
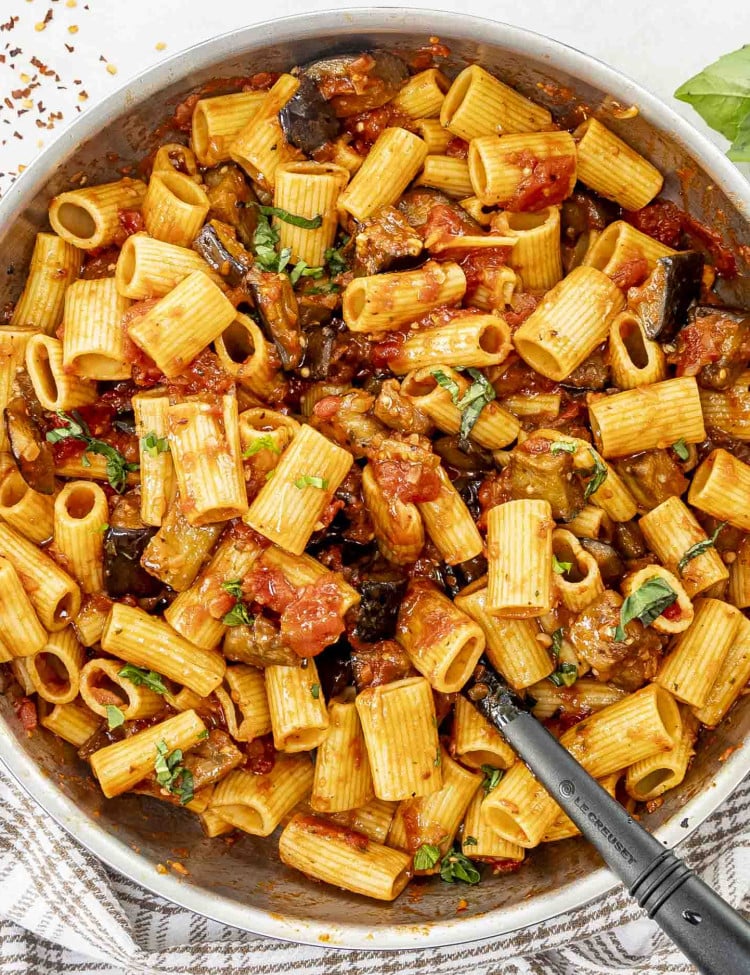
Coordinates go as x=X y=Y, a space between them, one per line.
x=366 y=384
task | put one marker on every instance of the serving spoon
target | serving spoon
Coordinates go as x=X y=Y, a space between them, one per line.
x=708 y=931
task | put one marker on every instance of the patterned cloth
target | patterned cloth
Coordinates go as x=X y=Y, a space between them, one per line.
x=61 y=911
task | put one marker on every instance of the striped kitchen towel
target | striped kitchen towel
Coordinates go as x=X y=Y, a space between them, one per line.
x=61 y=911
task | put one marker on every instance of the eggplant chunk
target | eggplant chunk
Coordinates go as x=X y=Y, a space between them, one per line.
x=229 y=192
x=354 y=83
x=548 y=477
x=416 y=206
x=220 y=249
x=383 y=239
x=334 y=666
x=627 y=538
x=30 y=450
x=652 y=477
x=611 y=566
x=714 y=346
x=124 y=542
x=381 y=592
x=277 y=305
x=662 y=302
x=593 y=373
x=307 y=120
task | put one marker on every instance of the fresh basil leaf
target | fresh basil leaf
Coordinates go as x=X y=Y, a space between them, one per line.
x=457 y=867
x=265 y=442
x=438 y=758
x=560 y=567
x=739 y=151
x=305 y=223
x=154 y=445
x=426 y=857
x=303 y=270
x=238 y=615
x=477 y=396
x=681 y=448
x=599 y=476
x=492 y=777
x=143 y=678
x=447 y=383
x=202 y=735
x=315 y=691
x=557 y=639
x=265 y=240
x=308 y=480
x=471 y=841
x=699 y=548
x=233 y=587
x=565 y=676
x=171 y=775
x=335 y=259
x=720 y=93
x=115 y=717
x=324 y=289
x=645 y=604
x=75 y=428
x=562 y=447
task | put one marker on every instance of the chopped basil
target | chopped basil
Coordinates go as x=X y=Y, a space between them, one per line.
x=265 y=240
x=266 y=442
x=560 y=567
x=76 y=428
x=492 y=777
x=154 y=445
x=238 y=615
x=171 y=775
x=438 y=758
x=426 y=857
x=565 y=676
x=315 y=691
x=270 y=473
x=303 y=270
x=599 y=473
x=699 y=548
x=100 y=530
x=233 y=587
x=645 y=604
x=202 y=735
x=477 y=396
x=457 y=867
x=681 y=448
x=471 y=841
x=305 y=223
x=562 y=447
x=115 y=717
x=307 y=480
x=143 y=678
x=324 y=289
x=557 y=639
x=335 y=260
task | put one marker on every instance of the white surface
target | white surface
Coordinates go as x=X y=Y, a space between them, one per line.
x=659 y=43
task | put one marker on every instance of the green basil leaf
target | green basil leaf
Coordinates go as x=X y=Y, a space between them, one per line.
x=447 y=383
x=76 y=429
x=477 y=396
x=681 y=448
x=305 y=223
x=315 y=691
x=739 y=151
x=699 y=548
x=599 y=476
x=266 y=442
x=303 y=270
x=154 y=445
x=645 y=604
x=233 y=587
x=457 y=867
x=335 y=259
x=426 y=856
x=562 y=447
x=492 y=777
x=143 y=678
x=238 y=615
x=720 y=93
x=115 y=717
x=308 y=480
x=557 y=639
x=560 y=567
x=471 y=841
x=202 y=735
x=565 y=676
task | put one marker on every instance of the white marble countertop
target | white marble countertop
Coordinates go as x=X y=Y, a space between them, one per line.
x=90 y=47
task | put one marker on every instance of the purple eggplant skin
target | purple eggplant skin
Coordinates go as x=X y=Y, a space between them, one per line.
x=30 y=450
x=378 y=610
x=611 y=566
x=666 y=297
x=334 y=666
x=216 y=254
x=124 y=541
x=307 y=120
x=389 y=73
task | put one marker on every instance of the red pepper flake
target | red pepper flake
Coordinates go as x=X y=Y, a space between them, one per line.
x=26 y=713
x=9 y=25
x=69 y=48
x=42 y=67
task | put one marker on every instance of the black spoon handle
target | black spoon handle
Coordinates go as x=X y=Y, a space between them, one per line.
x=712 y=935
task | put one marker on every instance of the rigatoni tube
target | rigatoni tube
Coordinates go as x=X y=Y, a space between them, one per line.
x=391 y=164
x=21 y=633
x=90 y=217
x=310 y=190
x=218 y=121
x=475 y=741
x=397 y=525
x=721 y=487
x=148 y=268
x=730 y=680
x=400 y=729
x=134 y=636
x=536 y=256
x=158 y=483
x=54 y=265
x=299 y=719
x=73 y=722
x=26 y=510
x=289 y=505
x=519 y=550
x=183 y=323
x=55 y=596
x=205 y=442
x=571 y=320
x=339 y=856
x=55 y=671
x=94 y=340
x=120 y=766
x=478 y=104
x=81 y=514
x=260 y=146
x=614 y=169
x=55 y=388
x=450 y=525
x=256 y=804
x=102 y=685
x=342 y=769
x=619 y=245
x=443 y=643
x=652 y=417
x=523 y=172
x=635 y=359
x=467 y=340
x=653 y=776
